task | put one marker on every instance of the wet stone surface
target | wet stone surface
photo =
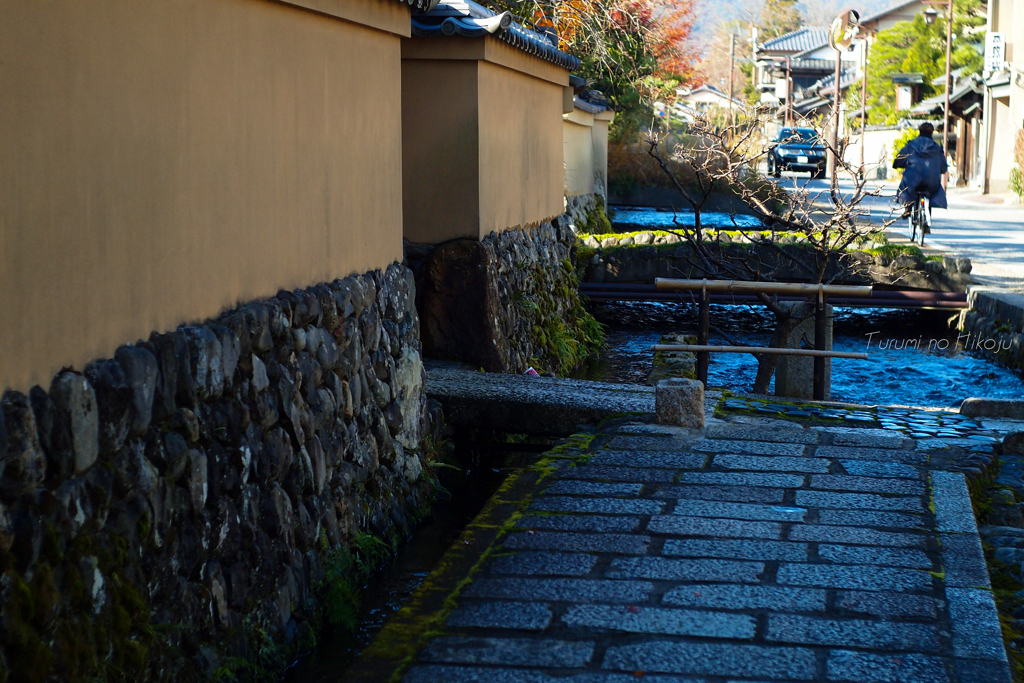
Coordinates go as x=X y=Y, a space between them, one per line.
x=820 y=554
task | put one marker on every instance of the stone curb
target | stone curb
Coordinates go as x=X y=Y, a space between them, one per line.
x=977 y=635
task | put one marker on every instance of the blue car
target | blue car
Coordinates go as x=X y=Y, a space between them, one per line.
x=797 y=149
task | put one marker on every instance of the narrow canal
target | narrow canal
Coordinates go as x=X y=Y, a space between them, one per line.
x=901 y=369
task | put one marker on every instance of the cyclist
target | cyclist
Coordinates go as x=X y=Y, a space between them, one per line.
x=925 y=172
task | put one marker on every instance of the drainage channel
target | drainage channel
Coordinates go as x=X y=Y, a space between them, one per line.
x=484 y=462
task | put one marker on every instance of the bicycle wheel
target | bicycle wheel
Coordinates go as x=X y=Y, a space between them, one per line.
x=913 y=222
x=925 y=211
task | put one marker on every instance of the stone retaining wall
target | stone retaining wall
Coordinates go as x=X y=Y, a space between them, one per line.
x=643 y=256
x=167 y=514
x=507 y=302
x=994 y=323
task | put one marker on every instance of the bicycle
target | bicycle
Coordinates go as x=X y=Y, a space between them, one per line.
x=920 y=217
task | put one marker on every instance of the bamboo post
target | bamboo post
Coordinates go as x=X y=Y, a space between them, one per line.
x=748 y=287
x=771 y=350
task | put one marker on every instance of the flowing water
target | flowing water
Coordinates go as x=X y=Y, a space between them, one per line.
x=901 y=370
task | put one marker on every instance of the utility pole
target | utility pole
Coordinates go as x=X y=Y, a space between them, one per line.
x=949 y=84
x=840 y=36
x=732 y=63
x=863 y=104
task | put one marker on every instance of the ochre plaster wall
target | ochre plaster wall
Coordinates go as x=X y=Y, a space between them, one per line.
x=482 y=138
x=441 y=158
x=162 y=160
x=521 y=177
x=578 y=139
x=600 y=135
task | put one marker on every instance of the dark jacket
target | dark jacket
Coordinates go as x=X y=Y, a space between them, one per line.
x=924 y=163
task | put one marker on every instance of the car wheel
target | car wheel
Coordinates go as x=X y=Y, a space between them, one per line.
x=776 y=170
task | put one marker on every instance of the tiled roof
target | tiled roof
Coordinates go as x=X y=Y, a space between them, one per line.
x=466 y=18
x=800 y=40
x=422 y=5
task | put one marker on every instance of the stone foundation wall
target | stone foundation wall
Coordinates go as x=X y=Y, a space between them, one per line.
x=994 y=323
x=577 y=207
x=167 y=514
x=643 y=256
x=507 y=302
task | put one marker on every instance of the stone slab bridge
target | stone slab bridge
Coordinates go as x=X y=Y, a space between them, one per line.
x=760 y=550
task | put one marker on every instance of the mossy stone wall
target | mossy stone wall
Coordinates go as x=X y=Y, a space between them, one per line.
x=172 y=514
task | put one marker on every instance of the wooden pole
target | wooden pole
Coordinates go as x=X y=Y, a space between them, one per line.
x=820 y=332
x=833 y=162
x=748 y=287
x=703 y=332
x=863 y=106
x=732 y=69
x=697 y=348
x=949 y=81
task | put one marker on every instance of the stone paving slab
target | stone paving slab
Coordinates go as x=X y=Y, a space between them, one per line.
x=833 y=558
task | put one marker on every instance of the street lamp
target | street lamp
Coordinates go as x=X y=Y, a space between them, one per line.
x=930 y=15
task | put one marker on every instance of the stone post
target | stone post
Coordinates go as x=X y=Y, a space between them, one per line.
x=680 y=402
x=794 y=375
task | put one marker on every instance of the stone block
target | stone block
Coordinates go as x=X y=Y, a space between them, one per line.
x=863 y=667
x=886 y=604
x=435 y=673
x=769 y=513
x=963 y=560
x=864 y=518
x=953 y=511
x=736 y=494
x=863 y=453
x=508 y=652
x=617 y=473
x=525 y=616
x=743 y=479
x=748 y=447
x=648 y=459
x=888 y=557
x=660 y=620
x=853 y=577
x=1013 y=443
x=753 y=662
x=743 y=596
x=840 y=482
x=593 y=488
x=868 y=468
x=751 y=433
x=857 y=536
x=722 y=528
x=758 y=463
x=786 y=628
x=561 y=590
x=646 y=443
x=544 y=564
x=579 y=523
x=604 y=506
x=664 y=569
x=680 y=401
x=794 y=375
x=619 y=544
x=1012 y=409
x=976 y=630
x=858 y=501
x=739 y=550
x=867 y=440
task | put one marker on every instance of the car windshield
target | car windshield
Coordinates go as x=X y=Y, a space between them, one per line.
x=798 y=135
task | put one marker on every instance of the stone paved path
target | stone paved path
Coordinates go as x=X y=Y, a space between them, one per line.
x=758 y=553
